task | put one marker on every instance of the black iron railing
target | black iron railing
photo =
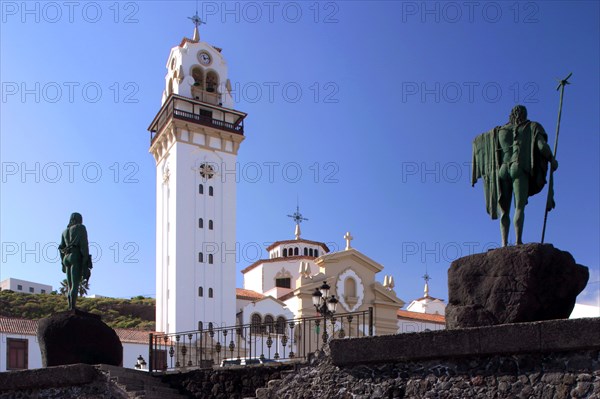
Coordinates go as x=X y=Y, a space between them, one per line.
x=190 y=110
x=207 y=121
x=258 y=342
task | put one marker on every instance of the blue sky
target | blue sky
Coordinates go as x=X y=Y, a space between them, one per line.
x=365 y=111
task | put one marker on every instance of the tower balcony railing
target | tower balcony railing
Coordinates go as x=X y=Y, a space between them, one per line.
x=277 y=341
x=196 y=111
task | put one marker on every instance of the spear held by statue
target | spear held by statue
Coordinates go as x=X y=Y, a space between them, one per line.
x=550 y=200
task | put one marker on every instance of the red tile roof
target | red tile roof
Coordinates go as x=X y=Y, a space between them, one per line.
x=133 y=336
x=249 y=295
x=433 y=318
x=287 y=296
x=18 y=326
x=10 y=325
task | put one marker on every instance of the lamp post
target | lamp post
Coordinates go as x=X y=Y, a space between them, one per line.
x=326 y=306
x=141 y=363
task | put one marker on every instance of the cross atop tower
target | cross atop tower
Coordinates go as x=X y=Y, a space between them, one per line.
x=298 y=218
x=197 y=22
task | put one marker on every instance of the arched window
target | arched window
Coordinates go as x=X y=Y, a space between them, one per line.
x=200 y=223
x=316 y=252
x=306 y=251
x=280 y=325
x=210 y=259
x=200 y=325
x=200 y=257
x=210 y=292
x=212 y=82
x=350 y=287
x=285 y=252
x=200 y=291
x=255 y=323
x=210 y=225
x=201 y=189
x=269 y=325
x=211 y=191
x=198 y=77
x=296 y=251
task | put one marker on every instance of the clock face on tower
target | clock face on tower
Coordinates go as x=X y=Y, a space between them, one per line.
x=206 y=171
x=204 y=58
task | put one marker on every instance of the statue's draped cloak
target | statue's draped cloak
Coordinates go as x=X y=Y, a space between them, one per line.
x=75 y=237
x=487 y=159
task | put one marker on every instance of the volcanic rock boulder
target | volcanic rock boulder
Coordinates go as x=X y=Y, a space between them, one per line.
x=78 y=337
x=531 y=282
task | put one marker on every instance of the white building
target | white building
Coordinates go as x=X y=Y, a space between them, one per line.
x=28 y=287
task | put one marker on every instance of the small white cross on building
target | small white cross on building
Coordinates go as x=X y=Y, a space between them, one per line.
x=348 y=237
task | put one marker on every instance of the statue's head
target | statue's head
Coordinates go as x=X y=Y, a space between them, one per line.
x=518 y=115
x=76 y=218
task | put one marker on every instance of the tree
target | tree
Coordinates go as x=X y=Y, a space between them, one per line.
x=84 y=286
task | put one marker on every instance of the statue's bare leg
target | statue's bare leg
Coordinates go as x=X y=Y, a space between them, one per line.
x=521 y=188
x=76 y=281
x=504 y=202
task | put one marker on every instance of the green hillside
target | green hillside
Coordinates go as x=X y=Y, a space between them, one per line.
x=137 y=312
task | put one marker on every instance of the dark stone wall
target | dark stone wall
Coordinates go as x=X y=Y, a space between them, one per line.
x=79 y=381
x=507 y=339
x=550 y=375
x=226 y=383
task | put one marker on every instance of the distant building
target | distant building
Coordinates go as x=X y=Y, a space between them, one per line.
x=425 y=313
x=28 y=287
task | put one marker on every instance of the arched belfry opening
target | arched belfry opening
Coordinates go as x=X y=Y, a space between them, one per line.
x=212 y=81
x=198 y=76
x=198 y=86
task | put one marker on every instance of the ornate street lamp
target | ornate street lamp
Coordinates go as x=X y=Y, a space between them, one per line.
x=326 y=305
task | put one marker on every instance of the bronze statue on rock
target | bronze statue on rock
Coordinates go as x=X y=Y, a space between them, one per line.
x=75 y=256
x=513 y=161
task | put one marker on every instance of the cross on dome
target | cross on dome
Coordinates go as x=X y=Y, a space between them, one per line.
x=298 y=218
x=426 y=277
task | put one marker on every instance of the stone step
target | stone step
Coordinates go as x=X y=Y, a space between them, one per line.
x=139 y=384
x=136 y=379
x=136 y=385
x=155 y=395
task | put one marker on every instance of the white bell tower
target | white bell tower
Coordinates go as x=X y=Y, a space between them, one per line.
x=195 y=138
